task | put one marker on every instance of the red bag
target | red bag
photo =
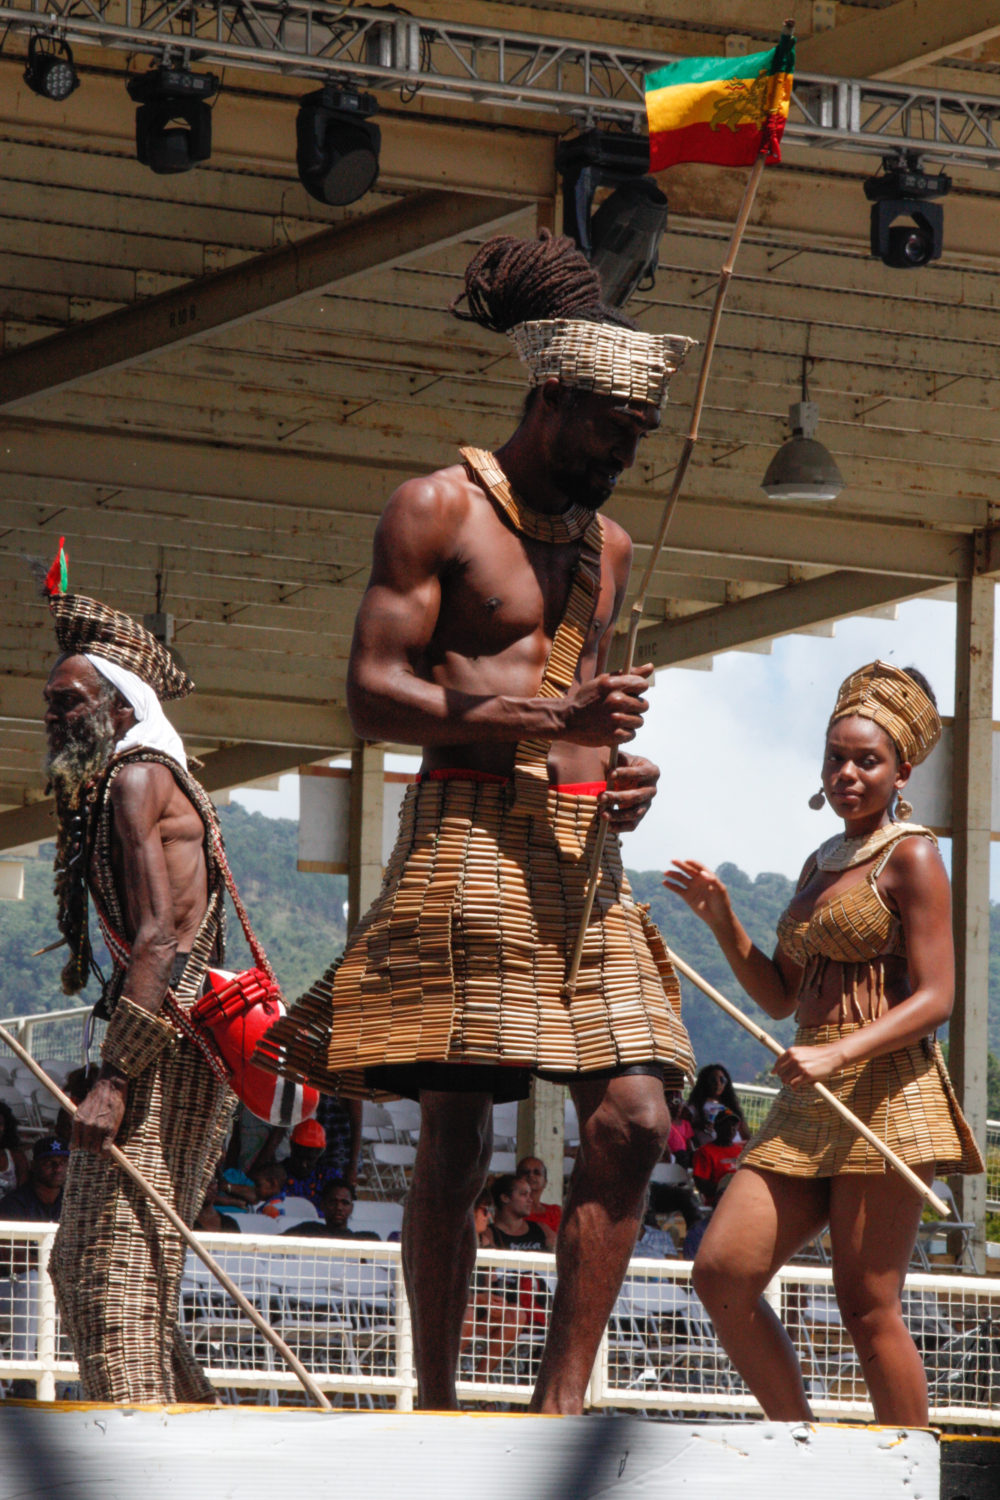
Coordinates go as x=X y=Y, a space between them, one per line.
x=236 y=1012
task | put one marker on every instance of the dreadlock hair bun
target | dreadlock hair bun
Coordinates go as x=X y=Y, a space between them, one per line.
x=511 y=281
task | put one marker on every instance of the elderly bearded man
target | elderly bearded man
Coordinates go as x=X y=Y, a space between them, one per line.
x=140 y=835
x=484 y=636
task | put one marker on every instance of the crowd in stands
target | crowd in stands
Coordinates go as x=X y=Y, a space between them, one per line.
x=305 y=1184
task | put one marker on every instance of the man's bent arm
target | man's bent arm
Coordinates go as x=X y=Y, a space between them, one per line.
x=139 y=798
x=388 y=694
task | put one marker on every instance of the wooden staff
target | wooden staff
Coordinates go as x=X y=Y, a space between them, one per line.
x=940 y=1207
x=226 y=1281
x=638 y=608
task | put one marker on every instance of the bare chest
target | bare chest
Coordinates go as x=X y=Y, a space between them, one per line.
x=505 y=588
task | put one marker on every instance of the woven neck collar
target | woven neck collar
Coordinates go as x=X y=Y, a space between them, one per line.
x=843 y=853
x=568 y=526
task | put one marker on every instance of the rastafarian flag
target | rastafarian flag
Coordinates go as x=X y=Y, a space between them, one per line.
x=725 y=110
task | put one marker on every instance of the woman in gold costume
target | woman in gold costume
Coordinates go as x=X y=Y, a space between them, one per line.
x=865 y=959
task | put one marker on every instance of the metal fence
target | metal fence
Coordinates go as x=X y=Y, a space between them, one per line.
x=342 y=1308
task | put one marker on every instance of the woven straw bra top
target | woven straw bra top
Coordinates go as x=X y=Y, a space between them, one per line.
x=854 y=929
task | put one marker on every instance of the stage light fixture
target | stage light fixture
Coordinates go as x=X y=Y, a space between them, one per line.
x=802 y=469
x=337 y=145
x=50 y=70
x=622 y=239
x=907 y=228
x=173 y=124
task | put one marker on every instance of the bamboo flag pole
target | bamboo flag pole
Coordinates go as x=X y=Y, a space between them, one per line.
x=226 y=1281
x=938 y=1204
x=670 y=506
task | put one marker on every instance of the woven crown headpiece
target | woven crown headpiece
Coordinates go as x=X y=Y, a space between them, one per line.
x=600 y=357
x=84 y=624
x=897 y=704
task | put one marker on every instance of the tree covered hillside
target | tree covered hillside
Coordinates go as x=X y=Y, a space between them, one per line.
x=300 y=920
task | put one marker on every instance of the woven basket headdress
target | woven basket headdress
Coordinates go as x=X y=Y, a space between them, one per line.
x=546 y=297
x=87 y=625
x=896 y=703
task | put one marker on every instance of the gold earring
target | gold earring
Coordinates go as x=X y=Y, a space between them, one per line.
x=817 y=800
x=904 y=809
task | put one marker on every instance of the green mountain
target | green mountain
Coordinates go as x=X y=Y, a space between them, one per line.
x=300 y=920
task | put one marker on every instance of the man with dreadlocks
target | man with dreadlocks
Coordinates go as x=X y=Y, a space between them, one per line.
x=139 y=833
x=484 y=636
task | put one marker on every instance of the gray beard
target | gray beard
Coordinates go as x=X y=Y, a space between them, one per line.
x=85 y=753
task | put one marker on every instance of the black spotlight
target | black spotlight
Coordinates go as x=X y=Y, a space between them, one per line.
x=173 y=124
x=622 y=238
x=50 y=70
x=907 y=229
x=338 y=145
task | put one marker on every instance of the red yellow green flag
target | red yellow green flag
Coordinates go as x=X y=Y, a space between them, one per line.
x=726 y=110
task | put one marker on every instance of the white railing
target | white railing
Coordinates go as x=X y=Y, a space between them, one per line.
x=342 y=1308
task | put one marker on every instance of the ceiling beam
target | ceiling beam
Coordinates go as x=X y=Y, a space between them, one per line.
x=256 y=720
x=234 y=766
x=899 y=39
x=832 y=597
x=227 y=298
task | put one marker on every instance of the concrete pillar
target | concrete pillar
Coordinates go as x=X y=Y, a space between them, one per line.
x=972 y=817
x=364 y=874
x=540 y=1132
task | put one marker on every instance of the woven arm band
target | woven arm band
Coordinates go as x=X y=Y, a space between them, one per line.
x=134 y=1038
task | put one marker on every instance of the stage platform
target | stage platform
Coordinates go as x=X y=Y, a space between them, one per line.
x=85 y=1452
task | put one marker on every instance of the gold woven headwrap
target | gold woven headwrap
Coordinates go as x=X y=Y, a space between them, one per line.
x=84 y=624
x=600 y=357
x=897 y=704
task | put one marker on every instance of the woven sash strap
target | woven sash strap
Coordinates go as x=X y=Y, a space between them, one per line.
x=531 y=778
x=179 y=999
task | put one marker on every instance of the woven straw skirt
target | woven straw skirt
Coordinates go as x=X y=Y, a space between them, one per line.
x=462 y=957
x=905 y=1097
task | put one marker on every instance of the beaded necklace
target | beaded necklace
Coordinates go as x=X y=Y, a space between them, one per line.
x=568 y=526
x=843 y=853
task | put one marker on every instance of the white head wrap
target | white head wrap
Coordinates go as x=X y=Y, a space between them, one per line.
x=152 y=729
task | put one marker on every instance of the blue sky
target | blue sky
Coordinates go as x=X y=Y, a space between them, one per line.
x=739 y=747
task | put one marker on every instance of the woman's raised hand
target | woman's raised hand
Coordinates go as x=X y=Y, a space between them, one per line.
x=700 y=889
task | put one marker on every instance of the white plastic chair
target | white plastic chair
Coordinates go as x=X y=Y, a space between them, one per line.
x=391 y=1163
x=937 y=1227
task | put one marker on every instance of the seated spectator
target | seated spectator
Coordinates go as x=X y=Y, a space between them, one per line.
x=713 y=1091
x=535 y=1173
x=13 y=1161
x=236 y=1190
x=38 y=1200
x=653 y=1242
x=512 y=1230
x=208 y=1216
x=341 y=1122
x=270 y=1189
x=679 y=1148
x=714 y=1161
x=336 y=1206
x=306 y=1173
x=490 y=1319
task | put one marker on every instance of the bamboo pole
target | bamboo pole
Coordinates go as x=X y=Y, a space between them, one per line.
x=190 y=1239
x=670 y=506
x=938 y=1204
